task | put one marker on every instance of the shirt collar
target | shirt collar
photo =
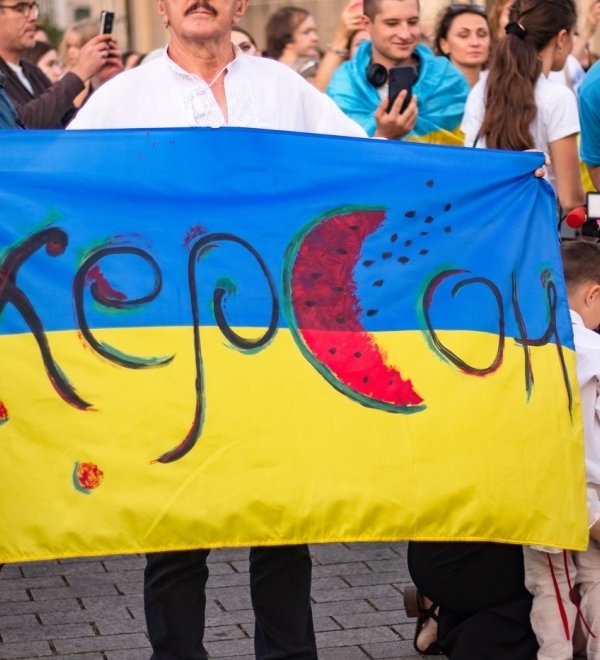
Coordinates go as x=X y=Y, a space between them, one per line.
x=179 y=71
x=576 y=319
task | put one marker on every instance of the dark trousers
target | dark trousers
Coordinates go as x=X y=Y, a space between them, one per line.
x=480 y=589
x=175 y=601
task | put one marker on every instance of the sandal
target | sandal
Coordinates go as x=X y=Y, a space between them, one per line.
x=414 y=606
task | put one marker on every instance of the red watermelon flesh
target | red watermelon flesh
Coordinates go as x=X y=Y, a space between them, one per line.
x=328 y=312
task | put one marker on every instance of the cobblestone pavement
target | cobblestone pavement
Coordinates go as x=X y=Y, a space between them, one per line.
x=91 y=609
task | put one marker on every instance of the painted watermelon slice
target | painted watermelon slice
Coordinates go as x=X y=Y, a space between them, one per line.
x=324 y=312
x=3 y=414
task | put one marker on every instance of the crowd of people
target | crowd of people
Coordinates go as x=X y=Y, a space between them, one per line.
x=519 y=77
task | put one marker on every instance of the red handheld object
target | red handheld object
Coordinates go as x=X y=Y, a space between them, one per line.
x=577 y=217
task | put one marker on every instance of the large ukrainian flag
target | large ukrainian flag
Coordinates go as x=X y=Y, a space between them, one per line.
x=234 y=337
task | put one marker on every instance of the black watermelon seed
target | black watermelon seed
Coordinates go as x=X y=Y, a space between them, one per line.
x=403 y=260
x=447 y=207
x=423 y=251
x=407 y=243
x=339 y=289
x=368 y=262
x=429 y=219
x=424 y=233
x=357 y=354
x=340 y=320
x=372 y=312
x=447 y=229
x=342 y=251
x=333 y=350
x=316 y=276
x=410 y=214
x=394 y=238
x=354 y=227
x=378 y=283
x=386 y=255
x=310 y=303
x=365 y=379
x=390 y=382
x=429 y=183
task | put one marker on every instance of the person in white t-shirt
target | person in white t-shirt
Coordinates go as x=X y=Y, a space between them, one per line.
x=516 y=107
x=551 y=577
x=202 y=80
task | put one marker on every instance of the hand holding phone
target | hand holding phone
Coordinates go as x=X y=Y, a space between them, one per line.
x=107 y=18
x=401 y=78
x=394 y=125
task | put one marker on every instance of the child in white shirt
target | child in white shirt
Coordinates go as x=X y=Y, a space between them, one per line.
x=552 y=577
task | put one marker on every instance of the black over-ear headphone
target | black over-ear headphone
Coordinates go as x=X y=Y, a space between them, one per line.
x=377 y=74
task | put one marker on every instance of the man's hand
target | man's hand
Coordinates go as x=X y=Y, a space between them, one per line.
x=393 y=125
x=98 y=52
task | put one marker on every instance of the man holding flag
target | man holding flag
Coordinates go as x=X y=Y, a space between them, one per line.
x=200 y=80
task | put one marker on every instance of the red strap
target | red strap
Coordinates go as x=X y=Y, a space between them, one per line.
x=574 y=598
x=561 y=607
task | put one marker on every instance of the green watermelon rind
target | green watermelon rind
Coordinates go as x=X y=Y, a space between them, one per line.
x=290 y=316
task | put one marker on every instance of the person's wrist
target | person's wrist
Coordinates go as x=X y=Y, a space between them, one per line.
x=385 y=133
x=337 y=50
x=76 y=70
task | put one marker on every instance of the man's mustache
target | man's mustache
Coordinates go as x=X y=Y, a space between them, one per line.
x=204 y=4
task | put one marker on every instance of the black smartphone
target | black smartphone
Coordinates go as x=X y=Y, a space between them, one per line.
x=399 y=78
x=107 y=18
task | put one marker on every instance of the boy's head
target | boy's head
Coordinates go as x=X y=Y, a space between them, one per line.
x=394 y=26
x=372 y=7
x=581 y=266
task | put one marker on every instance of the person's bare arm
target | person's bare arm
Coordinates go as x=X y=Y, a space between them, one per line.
x=565 y=160
x=334 y=56
x=351 y=18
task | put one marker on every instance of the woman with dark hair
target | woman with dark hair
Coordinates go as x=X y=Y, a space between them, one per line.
x=476 y=591
x=291 y=34
x=516 y=107
x=45 y=57
x=244 y=40
x=463 y=36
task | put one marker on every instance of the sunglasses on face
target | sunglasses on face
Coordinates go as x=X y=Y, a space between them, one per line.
x=455 y=9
